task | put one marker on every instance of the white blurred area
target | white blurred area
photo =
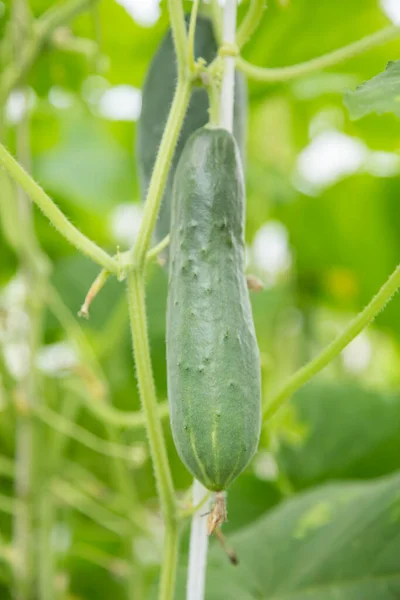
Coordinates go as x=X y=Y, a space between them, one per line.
x=114 y=103
x=265 y=466
x=60 y=98
x=121 y=103
x=125 y=223
x=270 y=254
x=18 y=103
x=144 y=12
x=14 y=328
x=392 y=10
x=332 y=155
x=358 y=354
x=53 y=359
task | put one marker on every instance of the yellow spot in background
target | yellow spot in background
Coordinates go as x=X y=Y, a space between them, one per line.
x=318 y=515
x=341 y=283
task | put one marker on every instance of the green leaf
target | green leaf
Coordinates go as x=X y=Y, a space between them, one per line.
x=352 y=433
x=381 y=94
x=338 y=542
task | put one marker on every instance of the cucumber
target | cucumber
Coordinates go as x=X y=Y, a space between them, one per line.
x=157 y=98
x=213 y=363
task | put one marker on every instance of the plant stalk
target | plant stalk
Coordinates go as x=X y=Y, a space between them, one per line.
x=137 y=316
x=275 y=75
x=330 y=352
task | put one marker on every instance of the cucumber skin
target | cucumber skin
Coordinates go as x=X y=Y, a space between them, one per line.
x=213 y=365
x=158 y=92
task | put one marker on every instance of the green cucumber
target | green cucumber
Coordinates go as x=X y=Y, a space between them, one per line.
x=213 y=362
x=158 y=92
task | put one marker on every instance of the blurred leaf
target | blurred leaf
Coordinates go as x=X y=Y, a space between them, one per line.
x=380 y=94
x=350 y=227
x=87 y=165
x=351 y=433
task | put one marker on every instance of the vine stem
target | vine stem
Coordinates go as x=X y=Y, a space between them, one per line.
x=275 y=75
x=191 y=34
x=250 y=22
x=137 y=315
x=54 y=214
x=137 y=305
x=198 y=535
x=43 y=29
x=160 y=172
x=332 y=350
x=177 y=17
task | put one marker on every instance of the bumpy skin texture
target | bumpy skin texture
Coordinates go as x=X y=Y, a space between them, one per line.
x=212 y=354
x=158 y=93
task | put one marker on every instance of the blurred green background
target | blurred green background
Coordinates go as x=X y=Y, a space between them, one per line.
x=323 y=223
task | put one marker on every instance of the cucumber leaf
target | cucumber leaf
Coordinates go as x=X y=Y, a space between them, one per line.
x=352 y=432
x=340 y=541
x=381 y=94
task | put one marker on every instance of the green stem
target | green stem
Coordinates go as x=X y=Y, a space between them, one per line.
x=7 y=504
x=191 y=35
x=275 y=75
x=66 y=42
x=137 y=315
x=66 y=493
x=324 y=358
x=119 y=418
x=215 y=104
x=47 y=560
x=156 y=250
x=131 y=506
x=161 y=168
x=177 y=18
x=44 y=27
x=81 y=435
x=170 y=560
x=250 y=22
x=104 y=411
x=54 y=214
x=7 y=467
x=27 y=432
x=217 y=21
x=110 y=417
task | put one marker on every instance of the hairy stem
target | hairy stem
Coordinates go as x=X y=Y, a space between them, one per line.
x=191 y=35
x=33 y=44
x=177 y=17
x=250 y=22
x=54 y=214
x=274 y=75
x=160 y=172
x=216 y=19
x=137 y=316
x=326 y=356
